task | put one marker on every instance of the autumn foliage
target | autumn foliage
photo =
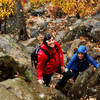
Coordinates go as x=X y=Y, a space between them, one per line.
x=7 y=7
x=71 y=7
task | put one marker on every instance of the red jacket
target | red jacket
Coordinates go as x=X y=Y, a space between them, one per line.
x=53 y=64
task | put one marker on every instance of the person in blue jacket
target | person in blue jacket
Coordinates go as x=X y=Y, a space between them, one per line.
x=78 y=63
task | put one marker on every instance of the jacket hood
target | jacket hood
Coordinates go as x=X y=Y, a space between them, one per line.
x=82 y=49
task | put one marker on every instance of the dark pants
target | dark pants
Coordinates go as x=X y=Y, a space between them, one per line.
x=67 y=76
x=47 y=78
x=75 y=74
x=63 y=81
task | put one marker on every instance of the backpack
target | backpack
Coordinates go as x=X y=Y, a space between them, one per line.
x=34 y=60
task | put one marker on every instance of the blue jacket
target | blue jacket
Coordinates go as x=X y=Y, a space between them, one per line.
x=80 y=65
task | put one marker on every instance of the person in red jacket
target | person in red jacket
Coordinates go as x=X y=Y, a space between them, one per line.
x=44 y=72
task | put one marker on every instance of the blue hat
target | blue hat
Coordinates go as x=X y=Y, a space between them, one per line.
x=82 y=49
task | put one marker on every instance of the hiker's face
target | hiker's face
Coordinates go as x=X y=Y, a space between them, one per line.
x=80 y=55
x=51 y=42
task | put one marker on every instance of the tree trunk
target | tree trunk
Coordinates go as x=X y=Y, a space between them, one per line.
x=78 y=16
x=5 y=24
x=0 y=24
x=21 y=21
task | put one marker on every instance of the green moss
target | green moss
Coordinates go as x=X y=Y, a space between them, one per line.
x=28 y=75
x=14 y=45
x=0 y=72
x=25 y=51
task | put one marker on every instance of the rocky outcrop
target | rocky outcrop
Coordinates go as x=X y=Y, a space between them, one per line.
x=15 y=62
x=13 y=59
x=12 y=48
x=89 y=28
x=16 y=89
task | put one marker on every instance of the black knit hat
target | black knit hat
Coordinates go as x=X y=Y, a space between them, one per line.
x=47 y=37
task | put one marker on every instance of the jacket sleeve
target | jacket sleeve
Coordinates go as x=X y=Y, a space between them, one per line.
x=92 y=61
x=69 y=65
x=60 y=53
x=40 y=65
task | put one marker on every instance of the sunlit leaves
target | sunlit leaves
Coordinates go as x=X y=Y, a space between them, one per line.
x=71 y=7
x=35 y=3
x=7 y=7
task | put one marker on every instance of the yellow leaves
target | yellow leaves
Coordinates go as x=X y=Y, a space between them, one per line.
x=71 y=7
x=35 y=3
x=92 y=1
x=7 y=7
x=43 y=1
x=8 y=25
